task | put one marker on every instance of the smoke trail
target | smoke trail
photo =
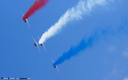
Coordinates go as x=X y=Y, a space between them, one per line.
x=83 y=45
x=36 y=6
x=96 y=36
x=76 y=12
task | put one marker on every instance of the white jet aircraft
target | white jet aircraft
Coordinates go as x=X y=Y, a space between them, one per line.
x=55 y=66
x=36 y=44
x=26 y=21
x=42 y=44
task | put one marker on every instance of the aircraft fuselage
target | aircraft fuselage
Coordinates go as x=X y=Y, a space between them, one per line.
x=35 y=44
x=41 y=44
x=54 y=66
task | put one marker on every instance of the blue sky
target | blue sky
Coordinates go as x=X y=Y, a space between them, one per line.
x=106 y=59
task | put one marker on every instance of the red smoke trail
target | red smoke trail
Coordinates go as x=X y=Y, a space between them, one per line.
x=36 y=6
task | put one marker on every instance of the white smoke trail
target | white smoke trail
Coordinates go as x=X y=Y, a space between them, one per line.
x=76 y=12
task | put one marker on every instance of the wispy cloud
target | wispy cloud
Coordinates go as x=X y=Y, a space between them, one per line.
x=125 y=78
x=74 y=13
x=111 y=48
x=125 y=53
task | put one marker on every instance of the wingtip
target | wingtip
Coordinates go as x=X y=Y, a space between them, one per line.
x=22 y=13
x=44 y=47
x=28 y=24
x=57 y=69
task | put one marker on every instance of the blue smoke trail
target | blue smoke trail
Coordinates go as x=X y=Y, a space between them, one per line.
x=94 y=38
x=80 y=47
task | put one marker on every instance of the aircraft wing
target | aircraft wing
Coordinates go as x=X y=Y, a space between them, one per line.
x=44 y=47
x=34 y=40
x=28 y=23
x=38 y=48
x=22 y=13
x=52 y=60
x=57 y=69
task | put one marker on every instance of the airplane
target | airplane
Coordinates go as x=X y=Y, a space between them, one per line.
x=42 y=44
x=36 y=44
x=55 y=66
x=26 y=21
